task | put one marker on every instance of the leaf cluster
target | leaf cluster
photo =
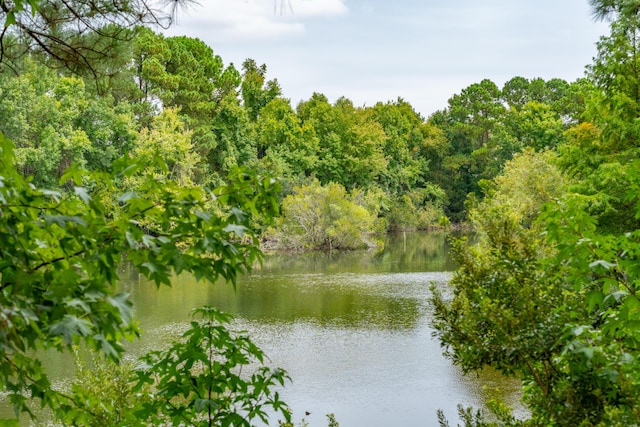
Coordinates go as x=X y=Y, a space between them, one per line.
x=201 y=380
x=60 y=254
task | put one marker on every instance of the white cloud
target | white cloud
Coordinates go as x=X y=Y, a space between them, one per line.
x=253 y=20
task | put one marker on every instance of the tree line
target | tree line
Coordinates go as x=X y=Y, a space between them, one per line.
x=174 y=98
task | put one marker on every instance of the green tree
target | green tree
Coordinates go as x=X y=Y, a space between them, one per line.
x=349 y=142
x=507 y=311
x=184 y=73
x=55 y=122
x=282 y=139
x=615 y=105
x=202 y=381
x=230 y=141
x=611 y=9
x=515 y=92
x=537 y=126
x=599 y=381
x=603 y=151
x=101 y=393
x=468 y=123
x=256 y=93
x=168 y=143
x=402 y=127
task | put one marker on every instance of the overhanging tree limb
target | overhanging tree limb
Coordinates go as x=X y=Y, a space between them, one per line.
x=78 y=35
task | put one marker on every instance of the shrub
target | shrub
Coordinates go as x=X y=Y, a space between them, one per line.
x=326 y=217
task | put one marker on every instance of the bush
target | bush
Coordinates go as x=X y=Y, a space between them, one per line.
x=326 y=217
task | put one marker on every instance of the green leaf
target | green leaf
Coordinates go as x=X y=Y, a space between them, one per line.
x=203 y=215
x=78 y=303
x=69 y=327
x=83 y=193
x=107 y=347
x=74 y=174
x=129 y=195
x=10 y=19
x=123 y=304
x=595 y=298
x=62 y=220
x=203 y=404
x=55 y=195
x=239 y=230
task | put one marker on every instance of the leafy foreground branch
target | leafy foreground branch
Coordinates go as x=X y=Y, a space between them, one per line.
x=211 y=377
x=59 y=253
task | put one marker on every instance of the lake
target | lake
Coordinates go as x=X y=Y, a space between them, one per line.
x=352 y=330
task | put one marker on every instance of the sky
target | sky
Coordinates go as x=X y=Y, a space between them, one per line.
x=423 y=51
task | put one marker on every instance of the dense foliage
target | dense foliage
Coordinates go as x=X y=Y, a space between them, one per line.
x=61 y=251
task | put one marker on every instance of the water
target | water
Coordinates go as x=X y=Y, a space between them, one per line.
x=352 y=329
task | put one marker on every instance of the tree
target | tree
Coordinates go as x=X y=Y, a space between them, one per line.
x=547 y=296
x=561 y=96
x=256 y=93
x=615 y=105
x=61 y=249
x=474 y=112
x=212 y=376
x=599 y=383
x=169 y=145
x=468 y=123
x=200 y=381
x=183 y=72
x=537 y=126
x=402 y=127
x=283 y=140
x=611 y=9
x=55 y=122
x=508 y=310
x=349 y=142
x=231 y=138
x=601 y=153
x=515 y=92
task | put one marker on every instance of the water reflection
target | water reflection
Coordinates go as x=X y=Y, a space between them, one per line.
x=409 y=252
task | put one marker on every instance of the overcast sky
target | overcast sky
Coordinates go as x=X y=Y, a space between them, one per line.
x=424 y=51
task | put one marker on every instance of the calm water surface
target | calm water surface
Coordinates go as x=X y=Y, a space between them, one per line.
x=351 y=329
